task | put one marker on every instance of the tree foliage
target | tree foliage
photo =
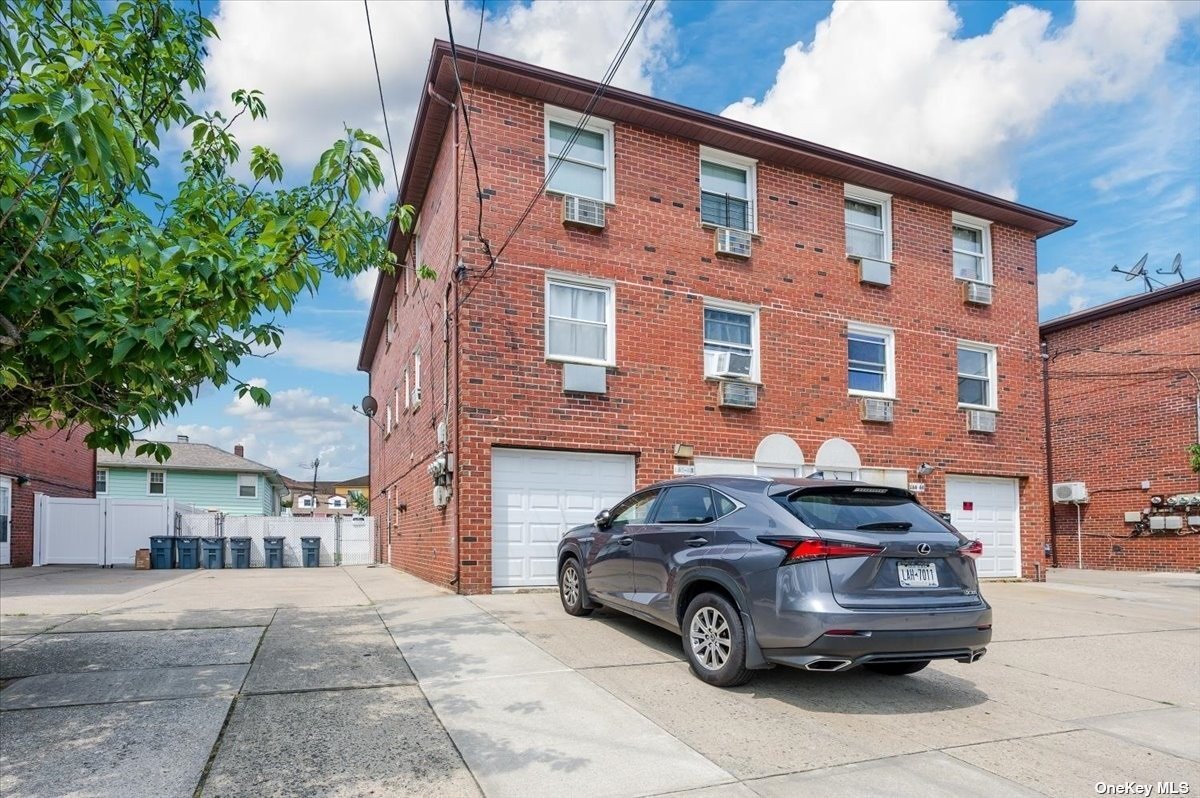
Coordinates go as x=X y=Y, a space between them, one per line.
x=117 y=304
x=360 y=502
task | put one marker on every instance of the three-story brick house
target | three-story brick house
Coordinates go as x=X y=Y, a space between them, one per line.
x=688 y=294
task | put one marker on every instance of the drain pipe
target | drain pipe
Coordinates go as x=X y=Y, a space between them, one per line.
x=1045 y=347
x=1079 y=532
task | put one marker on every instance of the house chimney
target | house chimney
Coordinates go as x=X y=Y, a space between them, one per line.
x=239 y=450
x=181 y=439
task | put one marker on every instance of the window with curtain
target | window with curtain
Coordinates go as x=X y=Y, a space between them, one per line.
x=578 y=318
x=727 y=330
x=970 y=253
x=866 y=229
x=975 y=380
x=725 y=195
x=580 y=169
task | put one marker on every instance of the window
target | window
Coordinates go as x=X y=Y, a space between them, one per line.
x=156 y=484
x=416 y=389
x=387 y=430
x=972 y=248
x=586 y=169
x=871 y=357
x=337 y=503
x=847 y=509
x=410 y=274
x=101 y=480
x=727 y=190
x=407 y=389
x=868 y=223
x=633 y=510
x=977 y=375
x=306 y=502
x=247 y=485
x=730 y=328
x=391 y=325
x=396 y=400
x=580 y=321
x=686 y=504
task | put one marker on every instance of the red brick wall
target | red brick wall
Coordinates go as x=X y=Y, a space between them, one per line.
x=1119 y=419
x=57 y=464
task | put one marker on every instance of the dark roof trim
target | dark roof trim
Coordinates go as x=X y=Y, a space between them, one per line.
x=1119 y=306
x=702 y=127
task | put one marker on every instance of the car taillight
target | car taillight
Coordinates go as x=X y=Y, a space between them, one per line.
x=972 y=549
x=806 y=549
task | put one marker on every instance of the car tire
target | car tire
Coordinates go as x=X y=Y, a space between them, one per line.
x=570 y=588
x=896 y=668
x=714 y=641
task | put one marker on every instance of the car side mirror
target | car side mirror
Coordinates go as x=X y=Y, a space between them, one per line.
x=603 y=519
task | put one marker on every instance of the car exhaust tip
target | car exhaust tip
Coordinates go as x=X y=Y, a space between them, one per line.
x=827 y=665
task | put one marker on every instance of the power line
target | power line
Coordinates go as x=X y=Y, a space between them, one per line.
x=382 y=105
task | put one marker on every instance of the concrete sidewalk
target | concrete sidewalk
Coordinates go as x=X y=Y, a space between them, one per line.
x=361 y=681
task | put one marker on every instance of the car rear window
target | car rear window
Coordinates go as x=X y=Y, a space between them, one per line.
x=851 y=509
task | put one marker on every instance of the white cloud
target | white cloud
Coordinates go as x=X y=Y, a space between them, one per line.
x=363 y=285
x=316 y=351
x=891 y=81
x=1061 y=285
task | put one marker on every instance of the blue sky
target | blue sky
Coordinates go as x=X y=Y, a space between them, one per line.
x=1092 y=113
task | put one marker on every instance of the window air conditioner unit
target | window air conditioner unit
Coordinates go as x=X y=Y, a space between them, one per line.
x=1070 y=492
x=733 y=242
x=739 y=394
x=977 y=293
x=414 y=397
x=583 y=211
x=981 y=421
x=876 y=410
x=733 y=364
x=872 y=271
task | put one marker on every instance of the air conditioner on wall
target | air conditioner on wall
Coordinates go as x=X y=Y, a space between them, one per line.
x=733 y=242
x=977 y=293
x=872 y=271
x=739 y=394
x=981 y=421
x=1070 y=492
x=733 y=364
x=879 y=410
x=583 y=211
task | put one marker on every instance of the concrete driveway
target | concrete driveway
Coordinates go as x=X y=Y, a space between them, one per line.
x=366 y=681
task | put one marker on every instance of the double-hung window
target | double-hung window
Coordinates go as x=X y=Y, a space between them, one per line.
x=977 y=376
x=247 y=485
x=101 y=480
x=156 y=483
x=583 y=167
x=407 y=392
x=727 y=190
x=580 y=321
x=871 y=361
x=972 y=248
x=868 y=224
x=416 y=389
x=730 y=327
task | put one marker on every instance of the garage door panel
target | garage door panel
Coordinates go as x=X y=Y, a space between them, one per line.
x=987 y=509
x=537 y=495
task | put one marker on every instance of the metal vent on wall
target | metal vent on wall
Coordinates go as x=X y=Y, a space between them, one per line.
x=739 y=394
x=879 y=410
x=981 y=421
x=977 y=293
x=733 y=242
x=583 y=211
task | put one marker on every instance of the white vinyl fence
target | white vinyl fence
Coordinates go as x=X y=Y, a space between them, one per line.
x=345 y=540
x=96 y=531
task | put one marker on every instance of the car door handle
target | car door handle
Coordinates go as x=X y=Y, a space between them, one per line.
x=626 y=541
x=696 y=541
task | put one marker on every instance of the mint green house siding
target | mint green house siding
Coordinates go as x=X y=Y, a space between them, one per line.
x=211 y=490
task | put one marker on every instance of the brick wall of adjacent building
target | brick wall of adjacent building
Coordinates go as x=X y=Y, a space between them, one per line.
x=56 y=463
x=1123 y=410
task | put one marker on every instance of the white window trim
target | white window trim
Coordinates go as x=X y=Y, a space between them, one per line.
x=878 y=198
x=889 y=377
x=993 y=371
x=238 y=486
x=164 y=482
x=756 y=350
x=106 y=473
x=306 y=502
x=387 y=430
x=610 y=340
x=410 y=274
x=985 y=228
x=416 y=399
x=337 y=503
x=407 y=390
x=564 y=116
x=749 y=165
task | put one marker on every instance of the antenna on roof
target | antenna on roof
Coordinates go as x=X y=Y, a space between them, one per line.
x=1138 y=270
x=1176 y=267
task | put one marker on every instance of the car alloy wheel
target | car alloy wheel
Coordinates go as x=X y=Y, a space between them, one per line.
x=570 y=585
x=710 y=638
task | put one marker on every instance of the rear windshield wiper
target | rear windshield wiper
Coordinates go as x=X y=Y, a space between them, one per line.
x=901 y=526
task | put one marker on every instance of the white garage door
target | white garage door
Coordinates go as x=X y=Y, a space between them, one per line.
x=537 y=495
x=988 y=509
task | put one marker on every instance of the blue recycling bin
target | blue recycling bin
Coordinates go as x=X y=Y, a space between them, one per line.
x=273 y=549
x=188 y=549
x=162 y=552
x=213 y=552
x=312 y=551
x=239 y=552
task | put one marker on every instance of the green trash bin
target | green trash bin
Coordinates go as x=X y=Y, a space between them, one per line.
x=213 y=552
x=189 y=552
x=312 y=551
x=162 y=552
x=239 y=552
x=273 y=549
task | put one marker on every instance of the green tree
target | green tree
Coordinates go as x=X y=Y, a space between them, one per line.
x=360 y=502
x=117 y=304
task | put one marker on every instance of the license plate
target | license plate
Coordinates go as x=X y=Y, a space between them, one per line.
x=918 y=574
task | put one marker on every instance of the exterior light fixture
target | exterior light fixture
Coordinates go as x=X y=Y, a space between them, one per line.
x=924 y=470
x=684 y=450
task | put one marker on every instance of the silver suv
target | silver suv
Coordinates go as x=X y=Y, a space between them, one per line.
x=754 y=572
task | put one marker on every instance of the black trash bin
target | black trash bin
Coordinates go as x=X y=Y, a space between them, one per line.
x=312 y=551
x=239 y=552
x=273 y=549
x=189 y=552
x=213 y=552
x=162 y=552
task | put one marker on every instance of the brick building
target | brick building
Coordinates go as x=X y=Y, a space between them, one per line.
x=1124 y=390
x=698 y=312
x=55 y=463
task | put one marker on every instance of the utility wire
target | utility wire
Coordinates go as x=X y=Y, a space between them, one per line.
x=382 y=105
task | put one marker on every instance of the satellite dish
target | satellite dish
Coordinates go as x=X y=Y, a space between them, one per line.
x=1176 y=267
x=369 y=406
x=1138 y=270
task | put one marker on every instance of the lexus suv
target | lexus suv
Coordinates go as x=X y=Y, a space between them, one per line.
x=755 y=572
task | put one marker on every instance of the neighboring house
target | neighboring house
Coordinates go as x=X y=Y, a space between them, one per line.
x=719 y=298
x=1124 y=388
x=197 y=474
x=54 y=463
x=330 y=499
